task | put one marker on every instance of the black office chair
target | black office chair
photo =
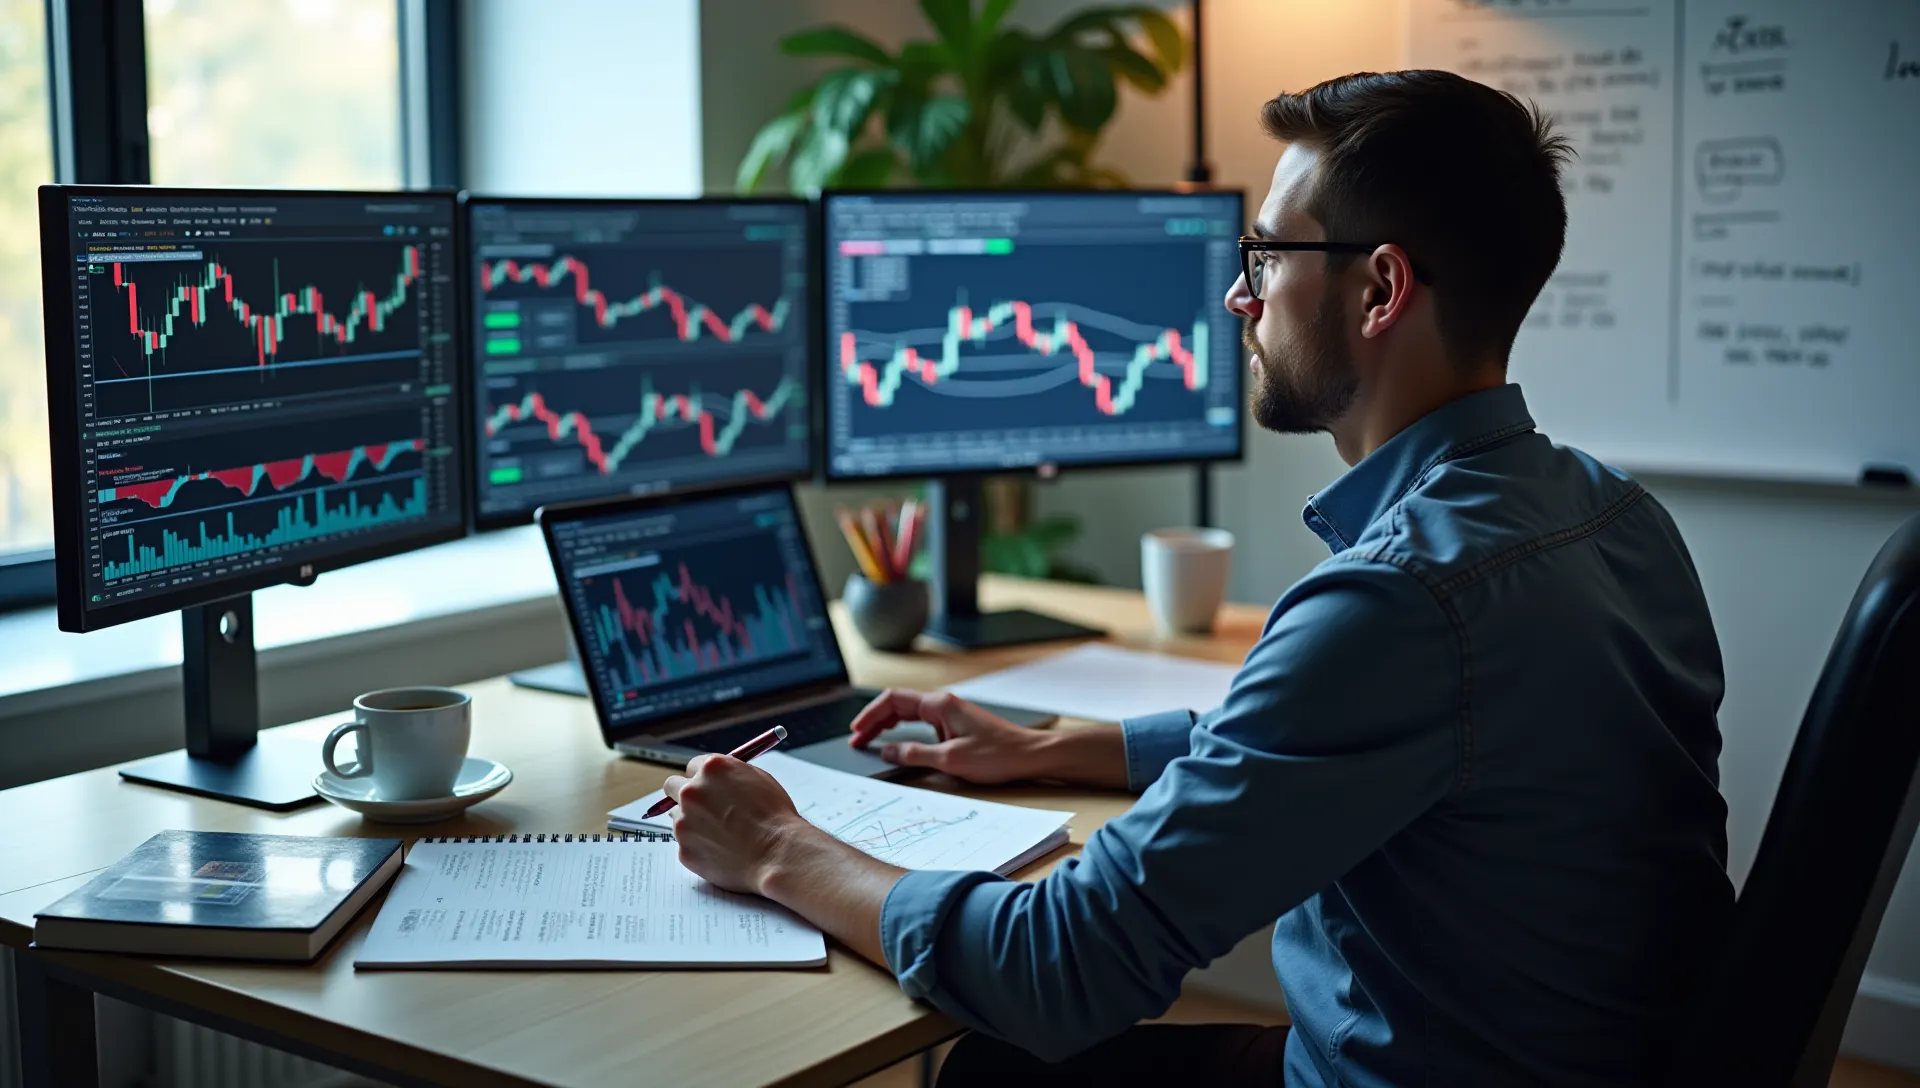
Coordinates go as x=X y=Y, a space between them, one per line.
x=1773 y=1006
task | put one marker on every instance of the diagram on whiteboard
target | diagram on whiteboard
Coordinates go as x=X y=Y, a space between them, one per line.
x=1733 y=291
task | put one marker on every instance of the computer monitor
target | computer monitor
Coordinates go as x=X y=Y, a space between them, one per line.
x=631 y=347
x=989 y=332
x=245 y=388
x=636 y=346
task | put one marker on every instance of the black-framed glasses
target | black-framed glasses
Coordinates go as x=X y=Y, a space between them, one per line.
x=1255 y=271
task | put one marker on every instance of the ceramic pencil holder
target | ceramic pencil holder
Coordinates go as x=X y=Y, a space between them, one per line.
x=888 y=615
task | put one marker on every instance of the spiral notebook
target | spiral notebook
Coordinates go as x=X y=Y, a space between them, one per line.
x=574 y=901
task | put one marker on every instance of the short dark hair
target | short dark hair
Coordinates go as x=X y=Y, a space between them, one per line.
x=1466 y=178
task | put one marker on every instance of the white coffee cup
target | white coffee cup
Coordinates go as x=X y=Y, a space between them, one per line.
x=1184 y=572
x=412 y=741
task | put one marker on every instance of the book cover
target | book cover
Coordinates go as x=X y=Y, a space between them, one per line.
x=179 y=887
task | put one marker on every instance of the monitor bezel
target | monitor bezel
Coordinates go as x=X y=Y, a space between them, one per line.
x=550 y=517
x=484 y=522
x=63 y=423
x=1045 y=470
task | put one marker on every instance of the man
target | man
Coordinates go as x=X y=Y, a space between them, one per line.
x=1470 y=765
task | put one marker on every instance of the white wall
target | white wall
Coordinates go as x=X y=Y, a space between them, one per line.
x=582 y=97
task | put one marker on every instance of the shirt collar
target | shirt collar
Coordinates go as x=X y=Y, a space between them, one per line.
x=1342 y=510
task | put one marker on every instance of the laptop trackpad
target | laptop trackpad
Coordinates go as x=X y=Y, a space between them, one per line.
x=866 y=762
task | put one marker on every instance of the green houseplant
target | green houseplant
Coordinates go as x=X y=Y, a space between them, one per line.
x=980 y=104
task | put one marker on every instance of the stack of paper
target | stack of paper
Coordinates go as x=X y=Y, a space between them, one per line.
x=900 y=825
x=1104 y=684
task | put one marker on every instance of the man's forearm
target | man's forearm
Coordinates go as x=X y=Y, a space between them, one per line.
x=834 y=886
x=1087 y=753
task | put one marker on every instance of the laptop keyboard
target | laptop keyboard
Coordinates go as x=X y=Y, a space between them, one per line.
x=805 y=725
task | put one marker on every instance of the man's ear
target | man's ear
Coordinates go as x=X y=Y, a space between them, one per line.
x=1390 y=289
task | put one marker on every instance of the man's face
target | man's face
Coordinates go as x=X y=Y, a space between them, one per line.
x=1303 y=377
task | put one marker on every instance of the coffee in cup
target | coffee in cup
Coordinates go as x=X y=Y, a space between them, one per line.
x=411 y=741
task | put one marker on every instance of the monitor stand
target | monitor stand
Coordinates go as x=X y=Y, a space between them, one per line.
x=561 y=677
x=227 y=757
x=953 y=546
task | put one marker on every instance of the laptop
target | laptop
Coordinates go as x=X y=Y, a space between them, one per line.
x=700 y=623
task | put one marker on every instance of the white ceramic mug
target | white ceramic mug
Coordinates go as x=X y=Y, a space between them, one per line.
x=411 y=741
x=1184 y=572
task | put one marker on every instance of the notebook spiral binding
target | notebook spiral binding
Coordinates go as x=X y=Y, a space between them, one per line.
x=623 y=836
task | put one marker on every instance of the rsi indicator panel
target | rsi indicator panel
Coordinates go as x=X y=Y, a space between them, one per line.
x=971 y=332
x=694 y=604
x=636 y=347
x=264 y=380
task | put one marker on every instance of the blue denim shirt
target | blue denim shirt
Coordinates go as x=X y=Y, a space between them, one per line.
x=1470 y=768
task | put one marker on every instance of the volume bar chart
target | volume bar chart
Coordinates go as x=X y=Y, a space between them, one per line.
x=294 y=521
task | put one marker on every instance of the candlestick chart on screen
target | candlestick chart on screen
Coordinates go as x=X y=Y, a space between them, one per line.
x=687 y=613
x=234 y=325
x=623 y=294
x=1030 y=338
x=609 y=368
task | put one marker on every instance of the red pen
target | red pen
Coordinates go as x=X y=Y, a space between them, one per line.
x=746 y=753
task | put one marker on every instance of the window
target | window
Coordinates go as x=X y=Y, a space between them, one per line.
x=271 y=93
x=26 y=161
x=297 y=93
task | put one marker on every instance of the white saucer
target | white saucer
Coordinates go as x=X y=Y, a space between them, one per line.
x=479 y=779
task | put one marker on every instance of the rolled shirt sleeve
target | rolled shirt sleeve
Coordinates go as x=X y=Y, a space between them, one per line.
x=1153 y=741
x=1343 y=726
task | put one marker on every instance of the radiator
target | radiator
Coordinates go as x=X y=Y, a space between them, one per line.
x=190 y=1056
x=9 y=1025
x=179 y=1054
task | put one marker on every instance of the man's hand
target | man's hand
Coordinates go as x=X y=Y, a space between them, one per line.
x=732 y=821
x=974 y=745
x=738 y=829
x=986 y=748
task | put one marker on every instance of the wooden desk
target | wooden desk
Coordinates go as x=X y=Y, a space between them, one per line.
x=825 y=1026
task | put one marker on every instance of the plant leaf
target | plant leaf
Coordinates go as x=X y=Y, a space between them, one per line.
x=1127 y=63
x=953 y=22
x=820 y=157
x=922 y=62
x=869 y=169
x=990 y=19
x=843 y=100
x=926 y=126
x=1033 y=92
x=834 y=41
x=770 y=144
x=1169 y=42
x=1083 y=83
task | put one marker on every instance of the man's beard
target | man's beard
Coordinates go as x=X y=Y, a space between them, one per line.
x=1306 y=385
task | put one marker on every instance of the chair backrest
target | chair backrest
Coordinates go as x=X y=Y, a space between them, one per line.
x=1773 y=1006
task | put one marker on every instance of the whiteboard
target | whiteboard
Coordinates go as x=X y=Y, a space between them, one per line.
x=1740 y=291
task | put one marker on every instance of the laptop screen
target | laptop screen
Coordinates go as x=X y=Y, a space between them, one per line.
x=685 y=603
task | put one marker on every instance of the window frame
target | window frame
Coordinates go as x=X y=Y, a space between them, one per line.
x=98 y=127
